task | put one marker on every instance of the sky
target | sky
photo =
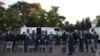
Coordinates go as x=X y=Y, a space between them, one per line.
x=73 y=10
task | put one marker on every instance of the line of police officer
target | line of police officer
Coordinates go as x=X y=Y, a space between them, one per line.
x=42 y=40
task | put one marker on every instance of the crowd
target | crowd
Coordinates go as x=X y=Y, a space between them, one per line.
x=83 y=39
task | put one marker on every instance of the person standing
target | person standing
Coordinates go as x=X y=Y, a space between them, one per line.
x=37 y=40
x=75 y=37
x=70 y=43
x=90 y=41
x=63 y=38
x=50 y=41
x=86 y=40
x=42 y=42
x=57 y=39
x=25 y=41
x=95 y=40
x=81 y=42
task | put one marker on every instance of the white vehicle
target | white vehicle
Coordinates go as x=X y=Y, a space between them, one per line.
x=96 y=29
x=46 y=30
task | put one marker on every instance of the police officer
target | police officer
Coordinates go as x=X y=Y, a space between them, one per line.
x=89 y=41
x=50 y=41
x=28 y=35
x=70 y=43
x=86 y=40
x=22 y=37
x=57 y=39
x=81 y=42
x=91 y=44
x=95 y=37
x=33 y=37
x=75 y=37
x=37 y=40
x=42 y=42
x=64 y=37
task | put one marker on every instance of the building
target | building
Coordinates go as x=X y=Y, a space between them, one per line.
x=93 y=23
x=96 y=29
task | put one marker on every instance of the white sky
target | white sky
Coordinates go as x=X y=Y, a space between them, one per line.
x=73 y=10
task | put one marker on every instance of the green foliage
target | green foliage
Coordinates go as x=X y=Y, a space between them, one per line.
x=9 y=18
x=77 y=25
x=85 y=24
x=53 y=18
x=68 y=27
x=33 y=15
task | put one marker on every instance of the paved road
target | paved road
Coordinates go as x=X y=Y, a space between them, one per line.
x=56 y=52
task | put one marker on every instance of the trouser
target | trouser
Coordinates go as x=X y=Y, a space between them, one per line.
x=64 y=48
x=13 y=45
x=81 y=47
x=25 y=46
x=42 y=48
x=74 y=45
x=36 y=46
x=95 y=43
x=63 y=45
x=86 y=46
x=50 y=48
x=70 y=48
x=92 y=47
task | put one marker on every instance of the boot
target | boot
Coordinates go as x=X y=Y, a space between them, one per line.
x=69 y=53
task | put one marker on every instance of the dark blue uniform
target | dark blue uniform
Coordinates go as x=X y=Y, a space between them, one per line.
x=64 y=37
x=70 y=43
x=37 y=38
x=42 y=42
x=95 y=37
x=50 y=41
x=75 y=37
x=81 y=42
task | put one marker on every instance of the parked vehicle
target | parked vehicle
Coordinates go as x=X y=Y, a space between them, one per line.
x=46 y=30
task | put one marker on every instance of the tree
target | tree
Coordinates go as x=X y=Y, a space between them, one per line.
x=71 y=27
x=87 y=23
x=66 y=26
x=38 y=15
x=98 y=20
x=2 y=15
x=53 y=18
x=11 y=20
x=29 y=13
x=34 y=16
x=82 y=25
x=78 y=25
x=42 y=19
x=39 y=20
